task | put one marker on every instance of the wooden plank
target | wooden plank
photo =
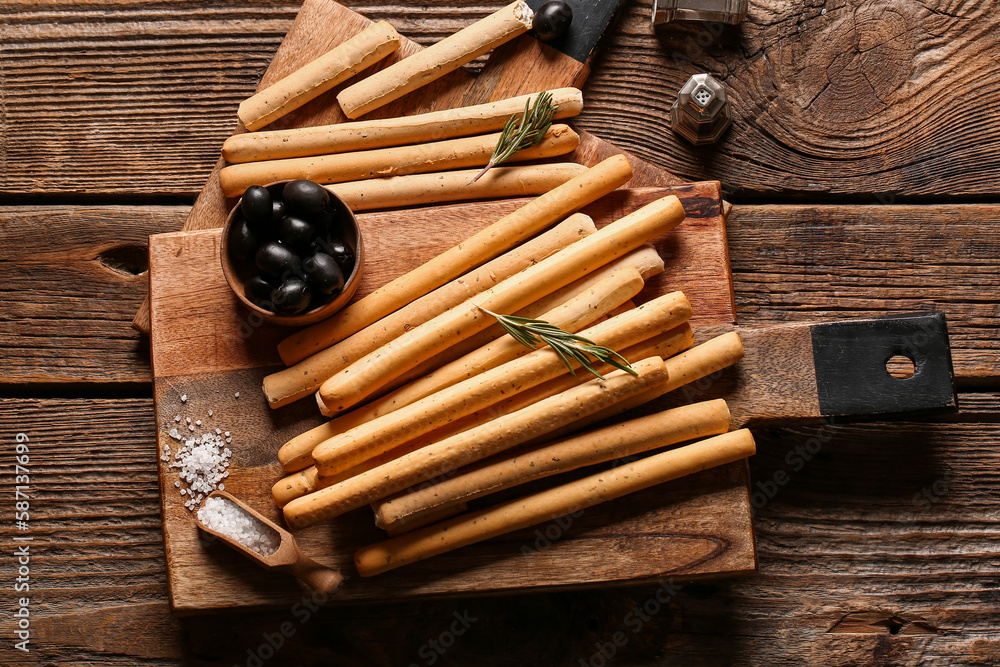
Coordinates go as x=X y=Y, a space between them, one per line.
x=910 y=593
x=891 y=98
x=72 y=279
x=97 y=578
x=783 y=257
x=821 y=263
x=203 y=351
x=883 y=258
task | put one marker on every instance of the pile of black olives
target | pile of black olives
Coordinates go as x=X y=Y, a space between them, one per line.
x=295 y=240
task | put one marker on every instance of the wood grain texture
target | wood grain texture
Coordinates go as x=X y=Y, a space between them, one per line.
x=895 y=98
x=790 y=264
x=205 y=348
x=98 y=583
x=72 y=278
x=919 y=588
x=822 y=263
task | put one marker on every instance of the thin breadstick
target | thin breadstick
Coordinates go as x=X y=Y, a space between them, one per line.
x=308 y=480
x=381 y=434
x=426 y=505
x=552 y=503
x=698 y=362
x=302 y=379
x=398 y=131
x=484 y=245
x=694 y=364
x=362 y=378
x=472 y=445
x=646 y=260
x=449 y=511
x=574 y=315
x=449 y=186
x=436 y=60
x=396 y=161
x=315 y=78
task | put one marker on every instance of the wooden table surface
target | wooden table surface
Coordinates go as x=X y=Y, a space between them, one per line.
x=864 y=165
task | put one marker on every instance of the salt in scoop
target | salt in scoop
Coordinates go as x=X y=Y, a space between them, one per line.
x=274 y=547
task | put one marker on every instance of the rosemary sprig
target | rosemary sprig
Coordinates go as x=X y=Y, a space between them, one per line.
x=523 y=132
x=530 y=333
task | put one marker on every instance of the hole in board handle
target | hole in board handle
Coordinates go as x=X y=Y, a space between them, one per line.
x=900 y=366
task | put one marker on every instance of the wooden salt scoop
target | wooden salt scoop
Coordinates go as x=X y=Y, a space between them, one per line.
x=286 y=558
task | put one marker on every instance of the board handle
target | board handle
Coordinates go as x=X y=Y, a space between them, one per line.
x=852 y=377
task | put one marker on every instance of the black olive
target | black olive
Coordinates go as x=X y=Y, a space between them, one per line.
x=292 y=297
x=552 y=20
x=323 y=273
x=343 y=255
x=328 y=221
x=277 y=260
x=277 y=210
x=242 y=240
x=305 y=197
x=296 y=232
x=256 y=205
x=259 y=289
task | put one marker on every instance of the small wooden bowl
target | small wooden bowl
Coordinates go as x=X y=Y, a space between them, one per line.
x=237 y=272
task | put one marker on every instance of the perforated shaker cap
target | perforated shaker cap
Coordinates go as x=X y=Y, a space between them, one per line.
x=702 y=111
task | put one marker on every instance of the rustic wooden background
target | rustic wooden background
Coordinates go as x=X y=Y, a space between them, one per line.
x=864 y=163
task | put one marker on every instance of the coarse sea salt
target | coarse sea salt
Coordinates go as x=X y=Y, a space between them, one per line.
x=202 y=461
x=228 y=518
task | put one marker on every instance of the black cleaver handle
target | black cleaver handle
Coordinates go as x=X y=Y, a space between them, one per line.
x=591 y=19
x=835 y=371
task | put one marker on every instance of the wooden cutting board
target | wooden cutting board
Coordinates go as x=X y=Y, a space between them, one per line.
x=521 y=66
x=207 y=348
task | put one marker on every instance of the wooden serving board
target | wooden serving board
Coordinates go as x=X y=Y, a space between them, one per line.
x=521 y=66
x=207 y=348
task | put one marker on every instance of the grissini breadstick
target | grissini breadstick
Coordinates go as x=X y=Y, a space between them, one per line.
x=398 y=131
x=502 y=235
x=303 y=378
x=296 y=454
x=315 y=78
x=308 y=480
x=472 y=445
x=576 y=314
x=396 y=161
x=555 y=502
x=573 y=316
x=449 y=186
x=383 y=433
x=436 y=60
x=646 y=260
x=698 y=362
x=447 y=512
x=362 y=378
x=425 y=505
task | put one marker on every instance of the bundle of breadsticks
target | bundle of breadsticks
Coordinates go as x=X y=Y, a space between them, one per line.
x=434 y=407
x=403 y=161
